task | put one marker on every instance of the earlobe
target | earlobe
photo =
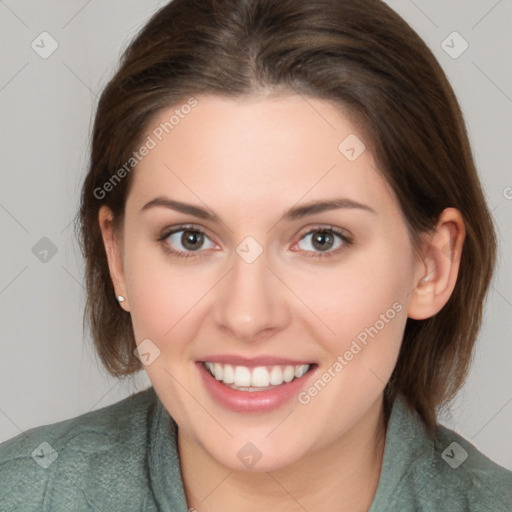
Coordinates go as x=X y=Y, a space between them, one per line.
x=439 y=266
x=113 y=251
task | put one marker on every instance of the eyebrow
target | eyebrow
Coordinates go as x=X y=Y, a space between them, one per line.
x=292 y=214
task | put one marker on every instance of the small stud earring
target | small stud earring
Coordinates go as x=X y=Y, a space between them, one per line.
x=120 y=298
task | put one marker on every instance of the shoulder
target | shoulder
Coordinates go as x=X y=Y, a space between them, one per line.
x=465 y=474
x=434 y=471
x=60 y=462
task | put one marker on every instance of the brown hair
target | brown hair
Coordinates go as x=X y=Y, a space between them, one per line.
x=360 y=55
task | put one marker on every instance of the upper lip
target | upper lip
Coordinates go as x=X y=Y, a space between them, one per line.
x=239 y=360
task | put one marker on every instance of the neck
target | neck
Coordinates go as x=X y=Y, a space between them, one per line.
x=342 y=477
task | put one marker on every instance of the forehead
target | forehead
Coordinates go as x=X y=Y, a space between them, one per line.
x=258 y=151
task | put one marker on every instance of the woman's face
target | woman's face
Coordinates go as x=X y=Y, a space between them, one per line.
x=267 y=281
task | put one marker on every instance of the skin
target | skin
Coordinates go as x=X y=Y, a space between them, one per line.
x=248 y=161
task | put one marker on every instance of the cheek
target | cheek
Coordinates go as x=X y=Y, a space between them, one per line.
x=167 y=304
x=362 y=301
x=159 y=293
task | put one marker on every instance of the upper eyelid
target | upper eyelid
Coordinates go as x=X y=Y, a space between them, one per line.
x=166 y=232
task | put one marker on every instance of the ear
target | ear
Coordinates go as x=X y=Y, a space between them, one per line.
x=438 y=267
x=113 y=249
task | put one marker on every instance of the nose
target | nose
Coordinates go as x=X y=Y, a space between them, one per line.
x=251 y=303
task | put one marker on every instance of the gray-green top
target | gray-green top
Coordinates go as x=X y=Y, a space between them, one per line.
x=124 y=458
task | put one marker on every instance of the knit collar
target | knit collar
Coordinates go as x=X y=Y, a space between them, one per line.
x=407 y=443
x=164 y=467
x=408 y=448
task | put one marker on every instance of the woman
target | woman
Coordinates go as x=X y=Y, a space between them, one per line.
x=283 y=225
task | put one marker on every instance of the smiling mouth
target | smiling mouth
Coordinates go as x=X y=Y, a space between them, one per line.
x=259 y=378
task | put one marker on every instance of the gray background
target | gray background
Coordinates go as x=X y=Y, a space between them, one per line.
x=48 y=372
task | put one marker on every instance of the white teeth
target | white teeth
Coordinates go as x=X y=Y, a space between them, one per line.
x=276 y=376
x=253 y=378
x=289 y=373
x=242 y=376
x=217 y=371
x=228 y=375
x=259 y=377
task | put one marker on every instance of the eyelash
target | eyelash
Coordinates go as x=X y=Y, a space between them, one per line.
x=347 y=241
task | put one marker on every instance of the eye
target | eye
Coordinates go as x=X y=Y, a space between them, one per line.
x=322 y=241
x=184 y=240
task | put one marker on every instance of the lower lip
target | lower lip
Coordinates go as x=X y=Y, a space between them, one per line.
x=252 y=401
